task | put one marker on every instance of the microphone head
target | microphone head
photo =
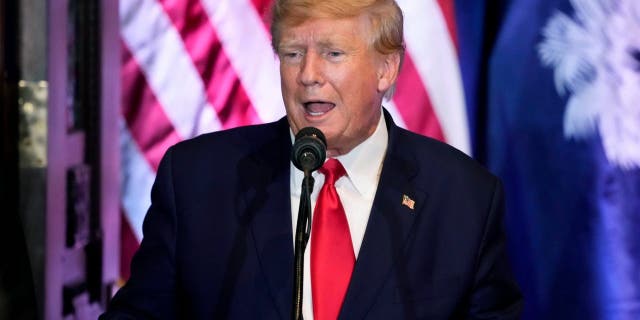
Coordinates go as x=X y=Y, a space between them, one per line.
x=309 y=149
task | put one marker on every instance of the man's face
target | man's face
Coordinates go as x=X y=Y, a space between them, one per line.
x=334 y=80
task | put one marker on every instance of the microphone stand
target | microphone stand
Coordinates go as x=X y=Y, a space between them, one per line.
x=303 y=230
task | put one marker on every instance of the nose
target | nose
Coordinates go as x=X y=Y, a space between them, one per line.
x=310 y=70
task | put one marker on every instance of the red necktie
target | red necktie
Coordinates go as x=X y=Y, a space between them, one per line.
x=332 y=256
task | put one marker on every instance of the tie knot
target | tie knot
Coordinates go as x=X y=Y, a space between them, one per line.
x=332 y=170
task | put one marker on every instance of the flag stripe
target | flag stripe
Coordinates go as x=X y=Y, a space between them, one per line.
x=248 y=45
x=224 y=90
x=137 y=180
x=169 y=72
x=426 y=33
x=447 y=7
x=262 y=7
x=143 y=110
x=416 y=107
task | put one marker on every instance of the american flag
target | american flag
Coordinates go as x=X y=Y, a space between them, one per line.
x=196 y=66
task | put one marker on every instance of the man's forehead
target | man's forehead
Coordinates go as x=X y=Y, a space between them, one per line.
x=323 y=31
x=319 y=39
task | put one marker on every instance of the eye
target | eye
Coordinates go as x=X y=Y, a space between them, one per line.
x=291 y=56
x=334 y=55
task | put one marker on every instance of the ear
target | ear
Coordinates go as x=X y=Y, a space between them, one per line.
x=388 y=70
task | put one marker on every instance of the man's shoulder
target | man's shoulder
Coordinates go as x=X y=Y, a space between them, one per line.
x=241 y=140
x=441 y=158
x=218 y=155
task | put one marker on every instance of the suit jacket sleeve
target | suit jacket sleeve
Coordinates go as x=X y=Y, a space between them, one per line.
x=495 y=293
x=151 y=289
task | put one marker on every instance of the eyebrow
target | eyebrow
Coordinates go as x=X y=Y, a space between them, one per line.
x=324 y=43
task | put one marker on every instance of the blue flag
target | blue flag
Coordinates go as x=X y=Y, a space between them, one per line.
x=557 y=111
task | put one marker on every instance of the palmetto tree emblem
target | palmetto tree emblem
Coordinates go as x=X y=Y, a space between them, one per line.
x=596 y=60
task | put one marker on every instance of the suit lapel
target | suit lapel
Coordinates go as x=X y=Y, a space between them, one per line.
x=266 y=205
x=388 y=228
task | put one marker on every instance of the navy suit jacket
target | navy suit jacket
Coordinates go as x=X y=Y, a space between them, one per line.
x=218 y=240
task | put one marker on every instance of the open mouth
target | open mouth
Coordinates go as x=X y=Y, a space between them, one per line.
x=318 y=108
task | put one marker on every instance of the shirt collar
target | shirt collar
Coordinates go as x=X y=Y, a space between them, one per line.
x=363 y=163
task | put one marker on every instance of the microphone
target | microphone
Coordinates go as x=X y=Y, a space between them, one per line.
x=309 y=149
x=307 y=154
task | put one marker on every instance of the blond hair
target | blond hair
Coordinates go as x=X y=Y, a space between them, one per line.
x=384 y=15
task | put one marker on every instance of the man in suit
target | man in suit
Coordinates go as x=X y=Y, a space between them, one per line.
x=422 y=221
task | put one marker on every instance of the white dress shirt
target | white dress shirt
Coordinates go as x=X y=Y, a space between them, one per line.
x=356 y=190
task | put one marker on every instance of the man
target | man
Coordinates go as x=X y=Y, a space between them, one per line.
x=422 y=221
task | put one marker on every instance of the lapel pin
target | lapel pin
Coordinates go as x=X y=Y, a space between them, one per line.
x=408 y=202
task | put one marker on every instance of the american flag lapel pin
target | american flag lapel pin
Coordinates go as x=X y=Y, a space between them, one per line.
x=408 y=202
